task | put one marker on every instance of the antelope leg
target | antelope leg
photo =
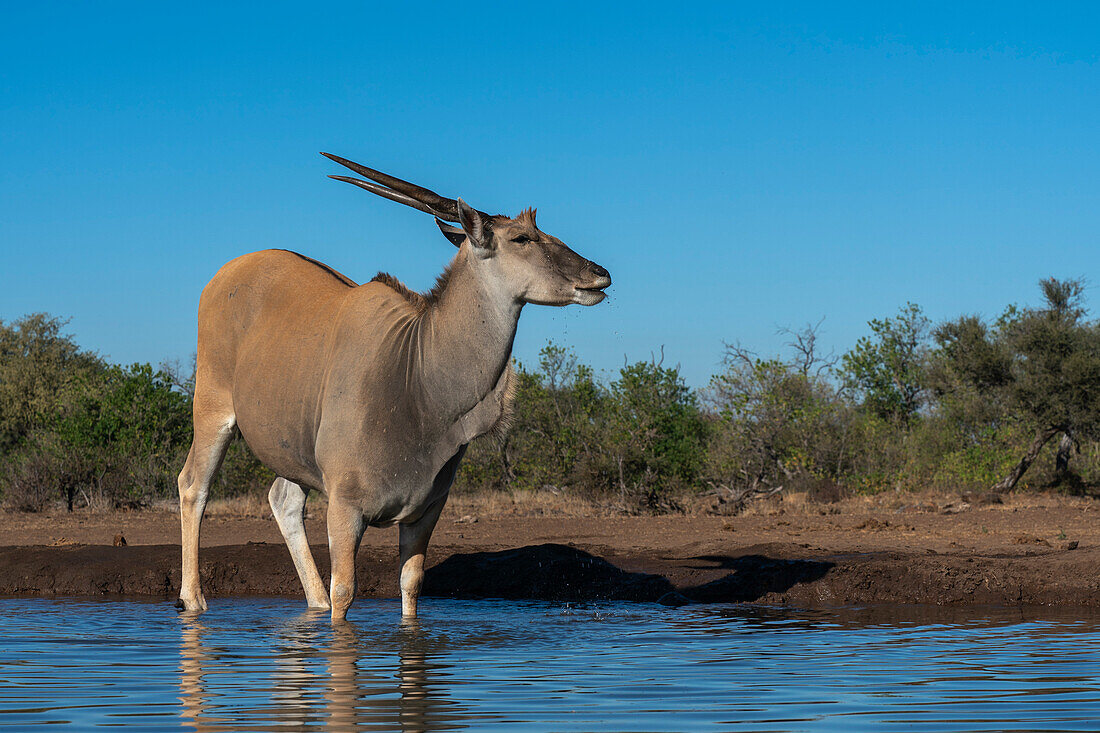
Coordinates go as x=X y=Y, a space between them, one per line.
x=345 y=531
x=288 y=503
x=213 y=431
x=414 y=546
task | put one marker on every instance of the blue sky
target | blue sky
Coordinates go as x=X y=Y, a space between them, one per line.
x=737 y=167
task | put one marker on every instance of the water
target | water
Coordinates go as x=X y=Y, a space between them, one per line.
x=266 y=665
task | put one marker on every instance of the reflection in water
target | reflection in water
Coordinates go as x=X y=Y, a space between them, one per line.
x=343 y=688
x=320 y=680
x=193 y=656
x=263 y=665
x=420 y=706
x=295 y=645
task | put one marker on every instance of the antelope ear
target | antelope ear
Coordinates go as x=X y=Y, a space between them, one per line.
x=473 y=225
x=454 y=234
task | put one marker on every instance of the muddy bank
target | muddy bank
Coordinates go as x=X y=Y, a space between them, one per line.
x=773 y=573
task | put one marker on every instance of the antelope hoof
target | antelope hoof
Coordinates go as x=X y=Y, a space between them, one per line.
x=341 y=598
x=196 y=603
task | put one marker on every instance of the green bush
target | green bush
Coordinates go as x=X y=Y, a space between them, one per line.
x=39 y=369
x=958 y=407
x=655 y=435
x=641 y=438
x=889 y=368
x=116 y=437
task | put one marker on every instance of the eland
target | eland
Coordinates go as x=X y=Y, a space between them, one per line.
x=369 y=393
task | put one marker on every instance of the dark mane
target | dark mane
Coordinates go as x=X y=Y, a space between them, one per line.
x=420 y=301
x=342 y=278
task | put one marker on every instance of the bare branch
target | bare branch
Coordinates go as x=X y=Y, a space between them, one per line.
x=735 y=353
x=807 y=360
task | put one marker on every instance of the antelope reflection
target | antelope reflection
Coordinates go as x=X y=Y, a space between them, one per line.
x=194 y=654
x=319 y=681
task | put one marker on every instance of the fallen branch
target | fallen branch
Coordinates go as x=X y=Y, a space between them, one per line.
x=735 y=500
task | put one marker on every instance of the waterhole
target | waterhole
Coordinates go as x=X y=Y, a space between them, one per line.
x=268 y=665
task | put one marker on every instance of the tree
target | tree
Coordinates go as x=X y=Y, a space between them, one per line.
x=71 y=424
x=132 y=411
x=1042 y=363
x=118 y=436
x=889 y=368
x=38 y=366
x=777 y=420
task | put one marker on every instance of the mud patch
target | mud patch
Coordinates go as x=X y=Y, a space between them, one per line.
x=775 y=573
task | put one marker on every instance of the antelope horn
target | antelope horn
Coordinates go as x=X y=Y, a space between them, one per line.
x=398 y=190
x=387 y=193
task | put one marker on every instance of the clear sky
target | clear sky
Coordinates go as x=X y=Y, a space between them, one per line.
x=737 y=167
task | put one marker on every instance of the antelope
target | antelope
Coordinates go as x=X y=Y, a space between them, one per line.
x=369 y=393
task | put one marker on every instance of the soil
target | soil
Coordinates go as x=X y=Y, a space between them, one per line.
x=1026 y=551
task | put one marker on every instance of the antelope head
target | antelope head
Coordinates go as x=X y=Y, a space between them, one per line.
x=512 y=253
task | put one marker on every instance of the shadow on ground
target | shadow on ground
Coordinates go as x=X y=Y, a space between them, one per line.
x=754 y=576
x=561 y=573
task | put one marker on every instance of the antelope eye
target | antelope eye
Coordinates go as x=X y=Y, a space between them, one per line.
x=521 y=239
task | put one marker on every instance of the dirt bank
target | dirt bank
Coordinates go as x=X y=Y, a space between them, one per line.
x=1033 y=551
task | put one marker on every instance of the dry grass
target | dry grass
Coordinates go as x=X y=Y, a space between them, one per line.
x=489 y=504
x=255 y=505
x=243 y=505
x=931 y=501
x=492 y=504
x=482 y=504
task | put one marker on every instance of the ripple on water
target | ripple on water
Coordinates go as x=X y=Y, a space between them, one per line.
x=266 y=664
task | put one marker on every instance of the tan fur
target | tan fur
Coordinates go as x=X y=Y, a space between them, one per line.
x=369 y=393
